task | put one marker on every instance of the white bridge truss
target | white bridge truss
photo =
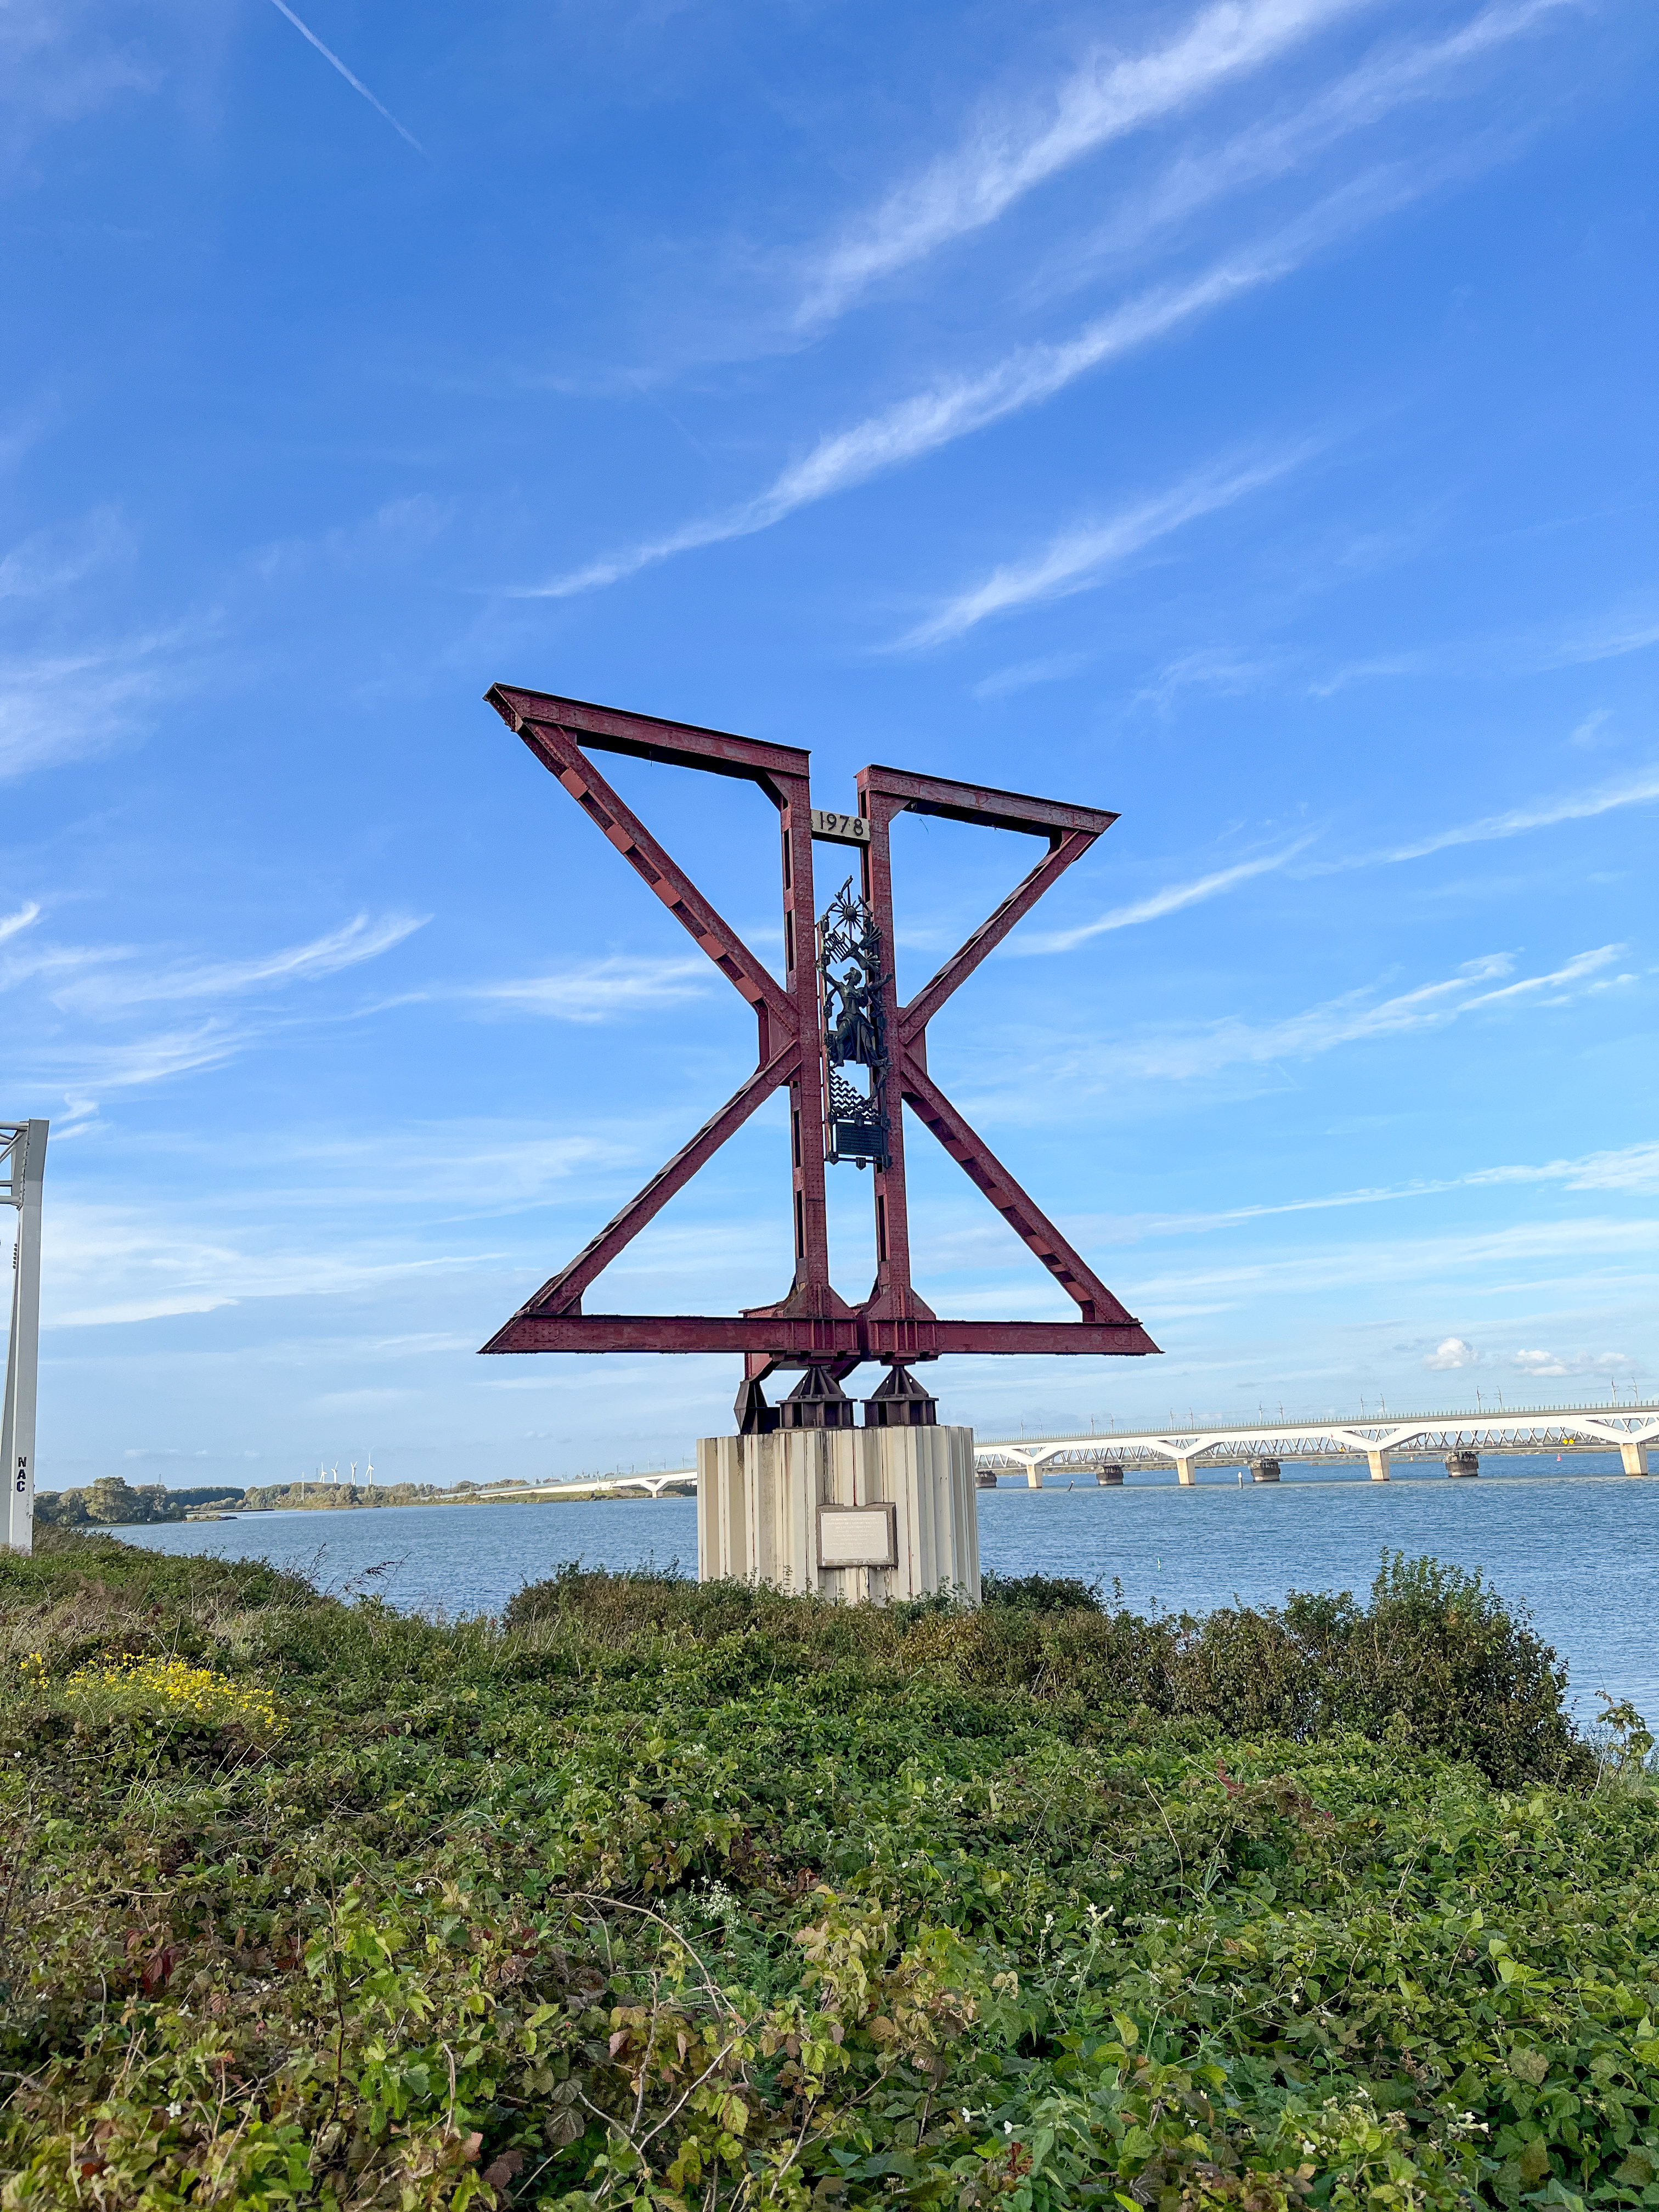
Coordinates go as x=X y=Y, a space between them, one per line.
x=684 y=1481
x=1629 y=1430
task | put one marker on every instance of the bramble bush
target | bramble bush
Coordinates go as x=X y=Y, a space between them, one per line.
x=656 y=1896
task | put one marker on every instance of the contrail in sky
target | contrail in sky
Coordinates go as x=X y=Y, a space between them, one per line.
x=355 y=83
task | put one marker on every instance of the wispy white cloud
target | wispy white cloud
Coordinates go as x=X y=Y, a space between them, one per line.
x=57 y=65
x=484 y=1167
x=1049 y=668
x=1490 y=1261
x=1078 y=558
x=11 y=923
x=1542 y=1364
x=1633 y=1169
x=1006 y=157
x=355 y=83
x=51 y=560
x=957 y=406
x=1222 y=169
x=1218 y=668
x=1357 y=1016
x=601 y=990
x=361 y=939
x=1613 y=636
x=1637 y=790
x=1633 y=630
x=38 y=958
x=1169 y=900
x=61 y=706
x=110 y=982
x=92 y=1069
x=113 y=1264
x=1541 y=814
x=399 y=530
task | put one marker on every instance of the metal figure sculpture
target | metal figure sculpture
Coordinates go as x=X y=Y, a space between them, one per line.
x=856 y=1121
x=812 y=1327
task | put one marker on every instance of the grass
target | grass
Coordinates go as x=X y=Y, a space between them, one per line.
x=650 y=1895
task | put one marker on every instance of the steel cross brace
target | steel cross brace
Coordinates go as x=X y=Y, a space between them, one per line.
x=813 y=1325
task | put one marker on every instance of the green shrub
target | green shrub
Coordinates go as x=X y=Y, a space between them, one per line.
x=1436 y=1660
x=713 y=1901
x=1041 y=1593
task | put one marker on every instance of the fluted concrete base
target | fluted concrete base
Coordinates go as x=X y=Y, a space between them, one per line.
x=760 y=1519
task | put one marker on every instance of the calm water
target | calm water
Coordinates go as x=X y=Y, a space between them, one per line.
x=1577 y=1541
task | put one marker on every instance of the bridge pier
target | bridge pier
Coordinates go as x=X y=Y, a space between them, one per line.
x=1461 y=1465
x=1379 y=1463
x=1635 y=1457
x=1186 y=1473
x=1264 y=1470
x=1110 y=1476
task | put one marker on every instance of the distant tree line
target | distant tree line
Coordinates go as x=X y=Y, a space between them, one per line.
x=114 y=1502
x=332 y=1496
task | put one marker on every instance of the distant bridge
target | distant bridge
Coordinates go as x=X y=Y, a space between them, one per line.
x=683 y=1482
x=1630 y=1430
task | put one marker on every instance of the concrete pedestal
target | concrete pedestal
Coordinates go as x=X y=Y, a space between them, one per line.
x=774 y=1508
x=1379 y=1466
x=1635 y=1457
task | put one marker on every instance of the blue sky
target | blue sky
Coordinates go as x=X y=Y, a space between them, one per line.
x=1238 y=415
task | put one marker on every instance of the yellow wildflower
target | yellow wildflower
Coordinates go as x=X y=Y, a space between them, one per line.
x=190 y=1691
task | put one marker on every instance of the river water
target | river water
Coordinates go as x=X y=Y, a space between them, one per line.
x=1576 y=1540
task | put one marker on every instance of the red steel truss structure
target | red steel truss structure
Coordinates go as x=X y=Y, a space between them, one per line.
x=812 y=1327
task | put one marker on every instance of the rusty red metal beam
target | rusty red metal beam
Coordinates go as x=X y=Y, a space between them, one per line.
x=647 y=737
x=557 y=749
x=562 y=1294
x=981 y=1166
x=804 y=1337
x=983 y=804
x=914 y=1016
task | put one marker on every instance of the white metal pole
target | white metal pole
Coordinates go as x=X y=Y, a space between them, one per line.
x=28 y=1164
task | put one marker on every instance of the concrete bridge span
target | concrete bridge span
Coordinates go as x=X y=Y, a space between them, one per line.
x=1630 y=1430
x=682 y=1483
